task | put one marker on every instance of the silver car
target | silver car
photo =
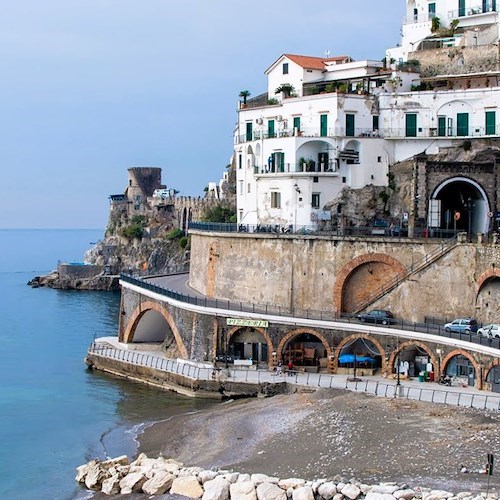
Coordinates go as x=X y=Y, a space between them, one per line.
x=490 y=331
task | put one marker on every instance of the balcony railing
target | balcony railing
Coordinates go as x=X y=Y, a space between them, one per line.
x=473 y=11
x=419 y=18
x=258 y=135
x=292 y=168
x=447 y=133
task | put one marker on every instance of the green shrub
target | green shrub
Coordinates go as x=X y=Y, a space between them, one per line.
x=183 y=242
x=132 y=231
x=175 y=233
x=218 y=213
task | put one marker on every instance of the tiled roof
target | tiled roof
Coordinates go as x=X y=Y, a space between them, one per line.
x=308 y=62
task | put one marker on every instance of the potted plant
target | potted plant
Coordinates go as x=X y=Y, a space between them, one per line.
x=244 y=94
x=286 y=89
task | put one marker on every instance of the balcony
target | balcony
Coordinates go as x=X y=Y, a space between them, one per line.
x=316 y=169
x=259 y=135
x=419 y=18
x=473 y=11
x=435 y=133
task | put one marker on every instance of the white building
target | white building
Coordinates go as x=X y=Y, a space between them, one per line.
x=325 y=124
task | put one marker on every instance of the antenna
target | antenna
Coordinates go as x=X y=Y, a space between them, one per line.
x=327 y=53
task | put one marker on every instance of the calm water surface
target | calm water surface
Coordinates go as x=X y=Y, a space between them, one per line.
x=54 y=414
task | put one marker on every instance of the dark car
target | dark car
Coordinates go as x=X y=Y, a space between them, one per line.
x=377 y=316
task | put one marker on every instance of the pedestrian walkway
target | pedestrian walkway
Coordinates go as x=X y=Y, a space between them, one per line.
x=150 y=356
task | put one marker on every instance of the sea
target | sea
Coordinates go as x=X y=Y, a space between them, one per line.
x=54 y=413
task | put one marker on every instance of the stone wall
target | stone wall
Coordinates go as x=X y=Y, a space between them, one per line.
x=72 y=271
x=326 y=273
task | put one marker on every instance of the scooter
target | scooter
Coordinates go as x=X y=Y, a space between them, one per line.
x=445 y=380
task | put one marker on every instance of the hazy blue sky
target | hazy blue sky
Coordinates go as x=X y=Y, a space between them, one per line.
x=89 y=88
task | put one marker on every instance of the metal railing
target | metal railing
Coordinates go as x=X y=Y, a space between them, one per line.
x=317 y=380
x=429 y=395
x=297 y=313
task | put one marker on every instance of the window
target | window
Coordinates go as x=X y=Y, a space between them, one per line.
x=275 y=199
x=441 y=126
x=411 y=125
x=285 y=68
x=490 y=125
x=344 y=180
x=277 y=162
x=462 y=124
x=315 y=200
x=432 y=10
x=315 y=179
x=461 y=8
x=240 y=161
x=248 y=188
x=241 y=187
x=375 y=122
x=379 y=159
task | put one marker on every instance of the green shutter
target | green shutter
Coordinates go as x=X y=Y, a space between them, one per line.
x=296 y=123
x=411 y=125
x=461 y=8
x=462 y=124
x=349 y=125
x=323 y=126
x=490 y=122
x=442 y=126
x=270 y=128
x=249 y=131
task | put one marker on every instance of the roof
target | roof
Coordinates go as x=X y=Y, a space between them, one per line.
x=310 y=62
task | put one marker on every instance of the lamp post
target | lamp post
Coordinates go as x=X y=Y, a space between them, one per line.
x=297 y=192
x=469 y=204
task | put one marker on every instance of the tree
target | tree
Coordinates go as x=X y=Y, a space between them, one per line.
x=244 y=94
x=285 y=88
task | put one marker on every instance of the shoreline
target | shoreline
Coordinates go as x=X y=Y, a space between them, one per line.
x=336 y=433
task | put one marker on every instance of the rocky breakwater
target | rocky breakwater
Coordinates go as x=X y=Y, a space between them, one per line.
x=163 y=475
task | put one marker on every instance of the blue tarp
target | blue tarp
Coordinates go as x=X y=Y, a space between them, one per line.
x=349 y=358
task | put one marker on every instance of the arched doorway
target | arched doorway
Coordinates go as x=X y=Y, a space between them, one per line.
x=493 y=378
x=459 y=204
x=488 y=296
x=306 y=350
x=413 y=359
x=462 y=368
x=248 y=343
x=359 y=355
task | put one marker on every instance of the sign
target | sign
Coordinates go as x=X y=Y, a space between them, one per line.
x=256 y=323
x=457 y=215
x=405 y=215
x=490 y=214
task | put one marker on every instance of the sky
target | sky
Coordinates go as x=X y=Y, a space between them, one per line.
x=90 y=88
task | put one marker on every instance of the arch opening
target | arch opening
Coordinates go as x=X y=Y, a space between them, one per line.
x=459 y=204
x=488 y=300
x=462 y=368
x=305 y=350
x=359 y=355
x=493 y=378
x=248 y=344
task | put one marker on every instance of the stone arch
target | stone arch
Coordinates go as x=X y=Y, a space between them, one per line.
x=354 y=337
x=487 y=275
x=128 y=336
x=349 y=269
x=488 y=295
x=294 y=333
x=492 y=364
x=262 y=331
x=468 y=355
x=402 y=346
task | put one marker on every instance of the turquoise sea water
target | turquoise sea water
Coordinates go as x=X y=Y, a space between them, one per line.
x=54 y=414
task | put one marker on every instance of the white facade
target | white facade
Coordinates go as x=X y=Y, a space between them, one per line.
x=472 y=15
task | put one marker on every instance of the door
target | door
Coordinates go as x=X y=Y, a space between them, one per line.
x=296 y=123
x=411 y=125
x=462 y=124
x=490 y=125
x=249 y=133
x=278 y=162
x=323 y=162
x=323 y=132
x=349 y=125
x=442 y=126
x=270 y=128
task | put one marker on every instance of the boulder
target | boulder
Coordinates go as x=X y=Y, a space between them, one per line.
x=189 y=486
x=160 y=483
x=303 y=493
x=132 y=483
x=216 y=489
x=436 y=495
x=232 y=477
x=121 y=460
x=291 y=483
x=373 y=495
x=327 y=490
x=207 y=475
x=406 y=494
x=96 y=474
x=243 y=490
x=243 y=478
x=351 y=491
x=263 y=478
x=82 y=470
x=111 y=485
x=269 y=491
x=190 y=471
x=385 y=488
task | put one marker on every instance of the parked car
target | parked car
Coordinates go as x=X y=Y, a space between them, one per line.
x=490 y=331
x=461 y=325
x=377 y=316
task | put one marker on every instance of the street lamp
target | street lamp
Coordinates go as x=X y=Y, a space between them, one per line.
x=297 y=192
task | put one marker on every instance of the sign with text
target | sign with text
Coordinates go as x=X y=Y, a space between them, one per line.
x=255 y=323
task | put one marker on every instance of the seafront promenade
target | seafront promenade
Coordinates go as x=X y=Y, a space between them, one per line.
x=132 y=356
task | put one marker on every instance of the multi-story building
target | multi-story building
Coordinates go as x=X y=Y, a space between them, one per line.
x=329 y=123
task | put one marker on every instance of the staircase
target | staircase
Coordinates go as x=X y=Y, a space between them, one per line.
x=390 y=285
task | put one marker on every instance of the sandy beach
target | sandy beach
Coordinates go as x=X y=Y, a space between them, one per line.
x=337 y=434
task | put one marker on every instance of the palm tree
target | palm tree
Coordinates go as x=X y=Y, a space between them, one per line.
x=285 y=88
x=244 y=94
